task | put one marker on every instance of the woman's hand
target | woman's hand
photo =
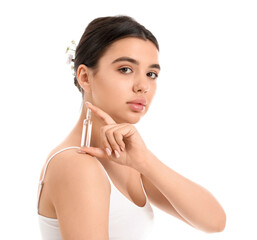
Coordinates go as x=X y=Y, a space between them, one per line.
x=126 y=147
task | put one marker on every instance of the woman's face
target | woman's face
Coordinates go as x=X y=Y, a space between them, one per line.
x=127 y=71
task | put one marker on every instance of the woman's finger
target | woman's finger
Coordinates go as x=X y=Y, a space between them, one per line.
x=104 y=140
x=118 y=137
x=97 y=152
x=111 y=137
x=94 y=152
x=106 y=118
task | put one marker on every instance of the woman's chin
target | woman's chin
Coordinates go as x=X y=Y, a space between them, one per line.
x=130 y=118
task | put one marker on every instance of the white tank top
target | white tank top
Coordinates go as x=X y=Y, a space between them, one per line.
x=127 y=221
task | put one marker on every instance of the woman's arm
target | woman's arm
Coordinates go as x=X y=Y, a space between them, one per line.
x=193 y=202
x=80 y=193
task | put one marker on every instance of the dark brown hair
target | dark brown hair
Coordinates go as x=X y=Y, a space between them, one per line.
x=101 y=33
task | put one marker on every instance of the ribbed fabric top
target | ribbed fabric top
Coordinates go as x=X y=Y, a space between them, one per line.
x=127 y=221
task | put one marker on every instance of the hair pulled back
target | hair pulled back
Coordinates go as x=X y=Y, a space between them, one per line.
x=101 y=33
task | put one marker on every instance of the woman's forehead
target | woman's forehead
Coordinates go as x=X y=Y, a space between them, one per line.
x=131 y=47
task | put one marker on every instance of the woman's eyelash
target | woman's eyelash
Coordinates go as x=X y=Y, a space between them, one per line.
x=125 y=69
x=156 y=75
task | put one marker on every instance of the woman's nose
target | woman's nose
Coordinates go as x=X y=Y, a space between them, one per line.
x=141 y=84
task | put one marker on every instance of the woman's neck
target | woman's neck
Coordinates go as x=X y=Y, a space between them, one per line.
x=74 y=137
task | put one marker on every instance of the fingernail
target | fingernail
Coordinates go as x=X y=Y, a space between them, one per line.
x=88 y=103
x=122 y=148
x=109 y=153
x=79 y=151
x=117 y=154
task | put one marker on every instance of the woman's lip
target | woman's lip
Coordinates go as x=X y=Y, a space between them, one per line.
x=136 y=107
x=139 y=101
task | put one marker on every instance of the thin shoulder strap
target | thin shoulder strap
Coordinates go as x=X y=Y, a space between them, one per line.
x=105 y=172
x=43 y=176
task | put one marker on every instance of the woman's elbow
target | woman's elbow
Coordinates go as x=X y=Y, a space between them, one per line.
x=222 y=223
x=219 y=225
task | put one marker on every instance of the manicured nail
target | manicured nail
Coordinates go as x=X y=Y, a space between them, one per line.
x=109 y=153
x=122 y=148
x=117 y=154
x=88 y=103
x=79 y=151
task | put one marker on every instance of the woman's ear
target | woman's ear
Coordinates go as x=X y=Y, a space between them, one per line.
x=83 y=77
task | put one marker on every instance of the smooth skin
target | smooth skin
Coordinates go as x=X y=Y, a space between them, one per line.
x=193 y=203
x=84 y=214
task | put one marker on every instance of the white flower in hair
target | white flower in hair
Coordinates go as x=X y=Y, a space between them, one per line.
x=71 y=49
x=69 y=59
x=71 y=53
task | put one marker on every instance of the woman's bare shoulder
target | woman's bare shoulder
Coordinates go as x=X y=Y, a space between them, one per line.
x=69 y=164
x=79 y=191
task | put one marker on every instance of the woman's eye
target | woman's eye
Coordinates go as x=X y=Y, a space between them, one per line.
x=152 y=75
x=125 y=70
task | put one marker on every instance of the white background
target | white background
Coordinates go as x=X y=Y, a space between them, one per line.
x=202 y=122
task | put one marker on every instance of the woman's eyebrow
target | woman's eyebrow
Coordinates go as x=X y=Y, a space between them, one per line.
x=155 y=66
x=128 y=59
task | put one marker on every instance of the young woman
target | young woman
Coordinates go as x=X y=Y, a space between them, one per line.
x=105 y=191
